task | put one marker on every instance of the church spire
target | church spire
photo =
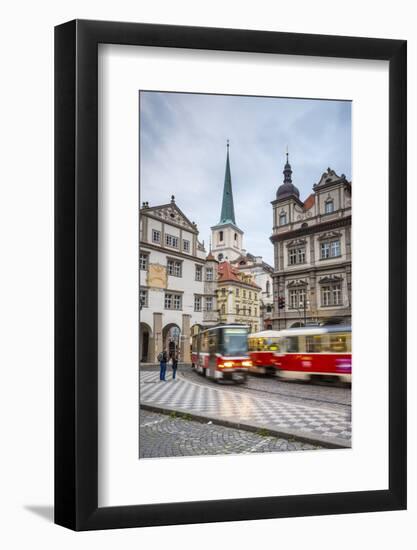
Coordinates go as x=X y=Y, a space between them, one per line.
x=228 y=211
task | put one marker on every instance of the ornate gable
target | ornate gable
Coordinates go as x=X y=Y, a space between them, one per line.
x=329 y=235
x=329 y=279
x=171 y=213
x=329 y=178
x=297 y=283
x=296 y=242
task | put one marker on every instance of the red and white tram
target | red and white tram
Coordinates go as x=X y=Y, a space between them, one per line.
x=221 y=352
x=263 y=347
x=315 y=353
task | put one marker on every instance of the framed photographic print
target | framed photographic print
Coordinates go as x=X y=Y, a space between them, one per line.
x=230 y=275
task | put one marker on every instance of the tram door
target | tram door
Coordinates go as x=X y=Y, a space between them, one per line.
x=212 y=348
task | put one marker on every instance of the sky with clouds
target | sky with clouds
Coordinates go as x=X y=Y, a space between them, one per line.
x=183 y=153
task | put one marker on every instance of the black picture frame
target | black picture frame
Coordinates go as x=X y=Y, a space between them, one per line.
x=76 y=273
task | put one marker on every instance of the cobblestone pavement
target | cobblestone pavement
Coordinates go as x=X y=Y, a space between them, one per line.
x=164 y=435
x=313 y=420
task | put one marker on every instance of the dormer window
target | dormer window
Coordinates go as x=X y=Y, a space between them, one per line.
x=283 y=219
x=329 y=206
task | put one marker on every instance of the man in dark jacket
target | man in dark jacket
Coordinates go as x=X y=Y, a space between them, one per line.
x=162 y=358
x=175 y=358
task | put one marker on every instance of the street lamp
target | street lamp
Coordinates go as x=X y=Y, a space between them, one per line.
x=303 y=305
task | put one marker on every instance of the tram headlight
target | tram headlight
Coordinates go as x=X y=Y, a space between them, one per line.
x=228 y=364
x=246 y=363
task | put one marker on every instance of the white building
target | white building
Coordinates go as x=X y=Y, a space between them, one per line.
x=172 y=281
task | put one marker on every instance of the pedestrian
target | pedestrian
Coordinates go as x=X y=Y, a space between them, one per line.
x=174 y=364
x=162 y=358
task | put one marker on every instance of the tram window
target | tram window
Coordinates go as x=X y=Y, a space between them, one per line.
x=314 y=344
x=212 y=343
x=292 y=344
x=338 y=343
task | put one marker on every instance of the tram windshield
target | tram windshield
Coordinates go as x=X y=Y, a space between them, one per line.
x=234 y=341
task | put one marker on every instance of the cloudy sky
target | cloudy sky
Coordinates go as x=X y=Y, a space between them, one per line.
x=183 y=153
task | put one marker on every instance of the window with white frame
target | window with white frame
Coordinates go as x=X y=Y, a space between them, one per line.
x=197 y=303
x=186 y=245
x=330 y=249
x=171 y=240
x=174 y=268
x=209 y=303
x=296 y=255
x=331 y=295
x=143 y=298
x=143 y=261
x=297 y=298
x=156 y=236
x=329 y=206
x=172 y=300
x=198 y=272
x=209 y=273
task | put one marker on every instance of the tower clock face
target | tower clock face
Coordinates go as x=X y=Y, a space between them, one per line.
x=220 y=256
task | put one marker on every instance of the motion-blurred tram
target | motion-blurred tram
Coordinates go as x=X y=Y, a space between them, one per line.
x=316 y=353
x=322 y=353
x=263 y=347
x=221 y=352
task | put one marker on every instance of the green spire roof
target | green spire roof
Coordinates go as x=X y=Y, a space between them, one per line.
x=228 y=211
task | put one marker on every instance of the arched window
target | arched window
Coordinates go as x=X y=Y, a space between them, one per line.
x=235 y=236
x=268 y=288
x=282 y=218
x=220 y=236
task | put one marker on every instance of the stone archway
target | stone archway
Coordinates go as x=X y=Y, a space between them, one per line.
x=171 y=338
x=145 y=339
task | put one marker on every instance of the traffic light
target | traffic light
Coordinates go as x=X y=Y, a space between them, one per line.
x=281 y=302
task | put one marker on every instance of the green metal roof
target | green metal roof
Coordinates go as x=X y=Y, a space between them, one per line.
x=228 y=211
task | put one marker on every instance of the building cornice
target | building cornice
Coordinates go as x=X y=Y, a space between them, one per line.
x=312 y=269
x=317 y=228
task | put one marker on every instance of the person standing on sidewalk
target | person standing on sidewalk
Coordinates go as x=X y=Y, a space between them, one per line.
x=162 y=358
x=175 y=358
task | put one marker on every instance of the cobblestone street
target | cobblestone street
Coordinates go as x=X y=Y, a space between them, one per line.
x=240 y=416
x=170 y=435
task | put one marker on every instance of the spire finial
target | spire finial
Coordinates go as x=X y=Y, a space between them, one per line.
x=228 y=144
x=287 y=152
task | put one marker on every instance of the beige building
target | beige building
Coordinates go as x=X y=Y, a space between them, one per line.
x=312 y=252
x=176 y=282
x=261 y=272
x=238 y=297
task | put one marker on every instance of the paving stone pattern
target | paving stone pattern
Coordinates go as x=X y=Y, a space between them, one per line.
x=164 y=435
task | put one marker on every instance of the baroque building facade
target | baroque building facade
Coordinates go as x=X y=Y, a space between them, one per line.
x=312 y=252
x=177 y=282
x=238 y=297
